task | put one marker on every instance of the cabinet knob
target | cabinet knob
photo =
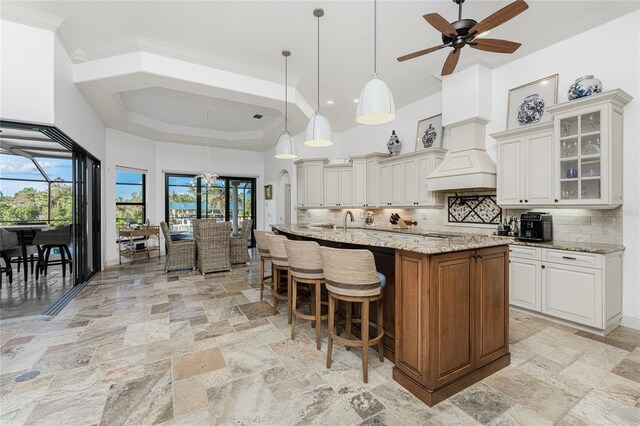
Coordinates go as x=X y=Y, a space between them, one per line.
x=520 y=200
x=556 y=200
x=526 y=201
x=543 y=266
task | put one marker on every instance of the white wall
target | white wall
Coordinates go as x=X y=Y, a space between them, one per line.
x=26 y=73
x=127 y=150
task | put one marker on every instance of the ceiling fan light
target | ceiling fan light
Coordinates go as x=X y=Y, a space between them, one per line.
x=376 y=105
x=286 y=147
x=318 y=132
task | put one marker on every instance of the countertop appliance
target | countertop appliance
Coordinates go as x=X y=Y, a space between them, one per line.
x=536 y=226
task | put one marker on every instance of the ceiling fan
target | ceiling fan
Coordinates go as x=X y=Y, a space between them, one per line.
x=464 y=32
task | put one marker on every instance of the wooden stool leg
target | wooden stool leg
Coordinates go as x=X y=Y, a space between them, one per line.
x=349 y=308
x=365 y=340
x=312 y=305
x=318 y=313
x=379 y=330
x=261 y=278
x=275 y=274
x=289 y=313
x=294 y=300
x=331 y=319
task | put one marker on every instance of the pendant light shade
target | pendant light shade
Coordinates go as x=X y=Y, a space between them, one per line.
x=286 y=147
x=208 y=178
x=318 y=132
x=376 y=105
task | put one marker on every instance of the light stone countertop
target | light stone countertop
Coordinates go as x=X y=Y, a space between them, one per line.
x=430 y=241
x=426 y=243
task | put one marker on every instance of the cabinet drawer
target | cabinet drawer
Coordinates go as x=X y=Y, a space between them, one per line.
x=524 y=252
x=590 y=260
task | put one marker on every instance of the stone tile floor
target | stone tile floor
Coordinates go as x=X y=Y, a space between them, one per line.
x=22 y=299
x=139 y=346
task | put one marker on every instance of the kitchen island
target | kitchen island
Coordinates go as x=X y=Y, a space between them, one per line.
x=446 y=309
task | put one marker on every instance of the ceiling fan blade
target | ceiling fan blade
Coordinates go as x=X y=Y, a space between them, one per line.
x=495 y=45
x=500 y=17
x=440 y=24
x=420 y=53
x=451 y=62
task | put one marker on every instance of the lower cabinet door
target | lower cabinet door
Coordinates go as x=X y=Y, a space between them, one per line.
x=451 y=346
x=572 y=293
x=411 y=310
x=491 y=285
x=524 y=283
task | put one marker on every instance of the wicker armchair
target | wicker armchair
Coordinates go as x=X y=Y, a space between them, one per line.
x=238 y=245
x=180 y=254
x=59 y=238
x=212 y=240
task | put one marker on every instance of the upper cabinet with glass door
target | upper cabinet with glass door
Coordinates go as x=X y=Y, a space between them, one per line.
x=588 y=133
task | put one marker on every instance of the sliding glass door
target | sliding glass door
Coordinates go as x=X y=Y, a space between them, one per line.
x=228 y=199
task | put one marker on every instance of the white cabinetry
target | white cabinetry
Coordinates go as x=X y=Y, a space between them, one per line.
x=525 y=167
x=338 y=186
x=574 y=161
x=310 y=182
x=360 y=180
x=588 y=153
x=385 y=185
x=584 y=288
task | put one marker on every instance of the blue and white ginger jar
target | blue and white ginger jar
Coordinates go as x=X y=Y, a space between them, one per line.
x=394 y=145
x=429 y=136
x=584 y=86
x=531 y=110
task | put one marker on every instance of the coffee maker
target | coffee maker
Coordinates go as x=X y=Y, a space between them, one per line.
x=536 y=226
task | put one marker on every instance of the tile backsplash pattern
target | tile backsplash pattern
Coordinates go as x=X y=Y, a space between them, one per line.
x=481 y=209
x=575 y=225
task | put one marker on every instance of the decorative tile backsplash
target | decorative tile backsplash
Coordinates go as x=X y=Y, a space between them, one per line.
x=576 y=225
x=479 y=209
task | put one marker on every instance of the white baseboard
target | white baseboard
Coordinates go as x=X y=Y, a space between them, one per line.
x=630 y=322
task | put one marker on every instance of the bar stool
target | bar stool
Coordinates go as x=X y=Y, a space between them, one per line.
x=305 y=267
x=351 y=277
x=263 y=251
x=279 y=264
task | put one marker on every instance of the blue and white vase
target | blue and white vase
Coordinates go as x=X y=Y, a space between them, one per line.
x=584 y=86
x=429 y=137
x=531 y=110
x=394 y=145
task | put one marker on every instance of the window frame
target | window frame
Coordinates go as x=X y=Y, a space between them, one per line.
x=143 y=203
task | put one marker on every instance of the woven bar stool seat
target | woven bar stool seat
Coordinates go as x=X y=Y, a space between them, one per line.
x=351 y=277
x=265 y=256
x=305 y=267
x=279 y=265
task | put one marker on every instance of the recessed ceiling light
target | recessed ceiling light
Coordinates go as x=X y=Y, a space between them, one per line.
x=356 y=100
x=330 y=102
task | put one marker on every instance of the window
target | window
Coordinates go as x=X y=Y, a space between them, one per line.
x=35 y=190
x=130 y=198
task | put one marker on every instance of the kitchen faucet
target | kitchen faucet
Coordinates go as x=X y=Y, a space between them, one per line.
x=344 y=222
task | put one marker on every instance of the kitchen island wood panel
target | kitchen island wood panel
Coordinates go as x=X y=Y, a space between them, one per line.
x=446 y=311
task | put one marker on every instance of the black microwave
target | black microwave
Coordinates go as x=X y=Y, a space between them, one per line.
x=535 y=226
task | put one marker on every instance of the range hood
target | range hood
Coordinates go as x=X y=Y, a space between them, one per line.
x=466 y=102
x=467 y=164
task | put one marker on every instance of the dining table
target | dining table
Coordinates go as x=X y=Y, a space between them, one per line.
x=26 y=232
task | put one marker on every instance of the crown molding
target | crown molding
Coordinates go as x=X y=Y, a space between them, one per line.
x=30 y=17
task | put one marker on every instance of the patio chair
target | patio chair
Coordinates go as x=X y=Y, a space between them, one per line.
x=8 y=242
x=59 y=238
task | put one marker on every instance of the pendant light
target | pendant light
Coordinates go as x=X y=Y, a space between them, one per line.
x=208 y=177
x=318 y=132
x=286 y=148
x=376 y=104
